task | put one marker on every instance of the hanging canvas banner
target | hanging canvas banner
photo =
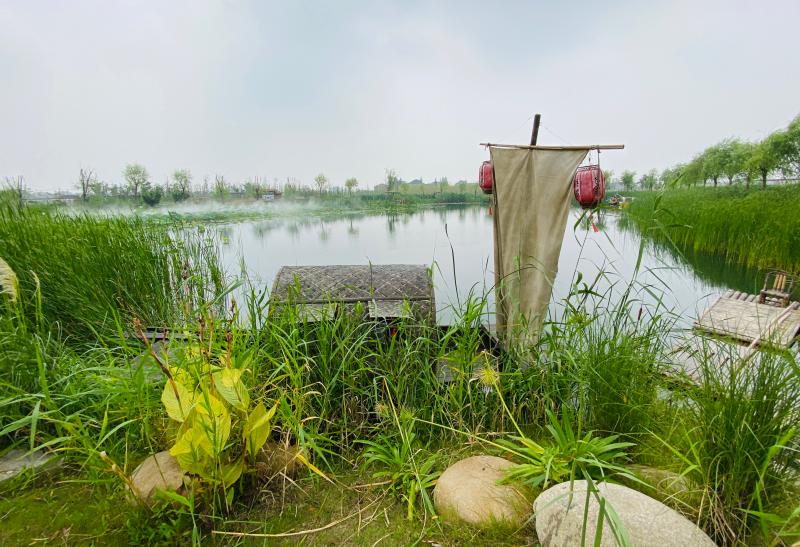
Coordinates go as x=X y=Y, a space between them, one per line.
x=532 y=189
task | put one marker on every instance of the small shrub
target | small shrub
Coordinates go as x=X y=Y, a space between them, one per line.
x=152 y=195
x=220 y=430
x=570 y=456
x=401 y=461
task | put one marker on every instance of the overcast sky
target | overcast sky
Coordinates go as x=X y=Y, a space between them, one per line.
x=352 y=88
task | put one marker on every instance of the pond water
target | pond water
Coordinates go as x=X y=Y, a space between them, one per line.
x=457 y=241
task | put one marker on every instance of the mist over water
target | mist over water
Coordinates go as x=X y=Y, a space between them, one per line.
x=419 y=237
x=196 y=208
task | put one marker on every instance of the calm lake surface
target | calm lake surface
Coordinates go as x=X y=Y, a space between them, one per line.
x=426 y=237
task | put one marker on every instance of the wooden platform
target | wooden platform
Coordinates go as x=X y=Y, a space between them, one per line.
x=738 y=316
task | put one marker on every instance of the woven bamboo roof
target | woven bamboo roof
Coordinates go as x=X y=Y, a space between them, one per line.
x=352 y=283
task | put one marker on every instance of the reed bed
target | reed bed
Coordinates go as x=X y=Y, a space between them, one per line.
x=83 y=275
x=754 y=228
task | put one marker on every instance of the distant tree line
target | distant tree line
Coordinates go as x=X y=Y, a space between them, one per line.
x=137 y=185
x=730 y=161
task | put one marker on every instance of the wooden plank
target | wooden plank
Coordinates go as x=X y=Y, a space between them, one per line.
x=747 y=321
x=389 y=309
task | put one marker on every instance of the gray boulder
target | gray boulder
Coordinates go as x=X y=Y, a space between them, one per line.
x=157 y=472
x=673 y=489
x=468 y=491
x=646 y=522
x=15 y=462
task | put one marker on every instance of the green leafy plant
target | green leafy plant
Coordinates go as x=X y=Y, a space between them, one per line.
x=738 y=440
x=220 y=431
x=570 y=456
x=152 y=194
x=403 y=465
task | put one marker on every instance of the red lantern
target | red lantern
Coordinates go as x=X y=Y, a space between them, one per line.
x=589 y=186
x=486 y=177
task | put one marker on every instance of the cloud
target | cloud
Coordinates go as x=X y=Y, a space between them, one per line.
x=349 y=89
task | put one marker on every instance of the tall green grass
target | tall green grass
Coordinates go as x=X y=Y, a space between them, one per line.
x=69 y=374
x=93 y=272
x=738 y=438
x=755 y=228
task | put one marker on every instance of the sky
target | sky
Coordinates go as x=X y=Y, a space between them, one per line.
x=350 y=89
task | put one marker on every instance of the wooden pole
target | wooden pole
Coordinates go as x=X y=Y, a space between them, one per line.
x=579 y=147
x=535 y=133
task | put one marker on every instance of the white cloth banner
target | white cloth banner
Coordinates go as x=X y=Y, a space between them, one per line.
x=532 y=190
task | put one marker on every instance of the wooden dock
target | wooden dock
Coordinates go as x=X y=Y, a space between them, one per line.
x=740 y=317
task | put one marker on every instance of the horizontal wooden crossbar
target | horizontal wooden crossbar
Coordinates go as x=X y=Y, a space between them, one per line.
x=582 y=147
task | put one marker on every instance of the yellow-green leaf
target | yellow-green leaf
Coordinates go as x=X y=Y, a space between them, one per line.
x=257 y=428
x=192 y=451
x=231 y=472
x=177 y=400
x=228 y=382
x=213 y=419
x=312 y=467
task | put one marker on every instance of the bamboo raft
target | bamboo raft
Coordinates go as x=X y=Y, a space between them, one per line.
x=742 y=318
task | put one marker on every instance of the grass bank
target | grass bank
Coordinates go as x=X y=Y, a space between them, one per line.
x=757 y=228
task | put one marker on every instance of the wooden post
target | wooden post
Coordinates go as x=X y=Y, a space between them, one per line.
x=535 y=134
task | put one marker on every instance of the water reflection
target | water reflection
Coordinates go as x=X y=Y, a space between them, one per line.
x=324 y=232
x=600 y=245
x=711 y=269
x=352 y=230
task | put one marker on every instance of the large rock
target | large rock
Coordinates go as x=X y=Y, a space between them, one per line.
x=560 y=517
x=469 y=491
x=158 y=472
x=668 y=487
x=15 y=462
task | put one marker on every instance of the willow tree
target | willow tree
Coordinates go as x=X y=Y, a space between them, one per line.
x=713 y=161
x=694 y=171
x=181 y=184
x=765 y=158
x=136 y=177
x=351 y=183
x=734 y=154
x=321 y=181
x=85 y=181
x=792 y=146
x=628 y=180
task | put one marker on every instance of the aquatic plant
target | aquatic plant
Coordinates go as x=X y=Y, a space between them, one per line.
x=91 y=271
x=220 y=433
x=408 y=471
x=737 y=438
x=755 y=228
x=330 y=385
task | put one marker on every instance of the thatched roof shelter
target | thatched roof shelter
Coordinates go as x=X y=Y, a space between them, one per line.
x=387 y=291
